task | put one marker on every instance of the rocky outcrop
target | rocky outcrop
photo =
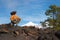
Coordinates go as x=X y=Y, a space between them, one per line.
x=8 y=32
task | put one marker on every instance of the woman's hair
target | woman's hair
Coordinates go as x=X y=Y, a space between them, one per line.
x=13 y=13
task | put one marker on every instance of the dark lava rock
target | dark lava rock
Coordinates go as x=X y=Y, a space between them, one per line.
x=58 y=34
x=8 y=32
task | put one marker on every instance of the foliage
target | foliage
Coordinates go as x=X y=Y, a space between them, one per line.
x=53 y=13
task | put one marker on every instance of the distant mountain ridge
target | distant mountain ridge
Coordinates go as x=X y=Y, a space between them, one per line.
x=32 y=24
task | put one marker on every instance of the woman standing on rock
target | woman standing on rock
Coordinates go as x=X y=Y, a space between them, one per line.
x=14 y=18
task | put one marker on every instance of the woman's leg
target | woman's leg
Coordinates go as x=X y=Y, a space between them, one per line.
x=12 y=23
x=17 y=22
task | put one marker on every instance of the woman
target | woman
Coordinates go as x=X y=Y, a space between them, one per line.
x=14 y=18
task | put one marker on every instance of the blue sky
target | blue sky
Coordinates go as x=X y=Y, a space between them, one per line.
x=27 y=10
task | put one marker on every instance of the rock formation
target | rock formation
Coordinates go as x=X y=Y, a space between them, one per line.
x=8 y=32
